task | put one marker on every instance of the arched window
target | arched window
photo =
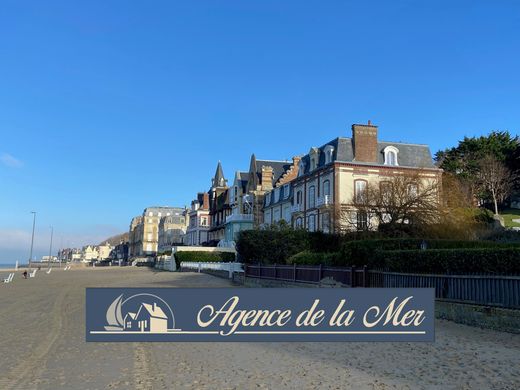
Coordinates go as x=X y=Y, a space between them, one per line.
x=298 y=222
x=329 y=151
x=360 y=187
x=314 y=155
x=312 y=197
x=301 y=168
x=326 y=188
x=325 y=223
x=385 y=188
x=299 y=197
x=391 y=153
x=311 y=223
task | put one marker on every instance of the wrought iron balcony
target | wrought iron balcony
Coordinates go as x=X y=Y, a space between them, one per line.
x=239 y=218
x=296 y=208
x=325 y=200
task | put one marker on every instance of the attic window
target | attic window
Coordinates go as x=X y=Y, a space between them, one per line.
x=314 y=158
x=301 y=168
x=329 y=151
x=391 y=155
x=286 y=191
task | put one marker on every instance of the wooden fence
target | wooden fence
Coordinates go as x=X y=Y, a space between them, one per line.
x=489 y=290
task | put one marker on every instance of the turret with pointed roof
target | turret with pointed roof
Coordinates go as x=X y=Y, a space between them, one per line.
x=219 y=180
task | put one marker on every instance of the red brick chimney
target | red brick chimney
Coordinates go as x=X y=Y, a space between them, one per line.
x=205 y=201
x=364 y=138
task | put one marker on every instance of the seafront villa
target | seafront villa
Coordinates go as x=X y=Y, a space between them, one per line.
x=309 y=192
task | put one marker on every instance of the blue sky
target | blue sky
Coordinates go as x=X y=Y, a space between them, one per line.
x=109 y=107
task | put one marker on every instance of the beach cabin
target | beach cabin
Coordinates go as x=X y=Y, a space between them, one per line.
x=151 y=318
x=129 y=322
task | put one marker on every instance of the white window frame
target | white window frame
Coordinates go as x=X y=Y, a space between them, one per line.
x=391 y=151
x=328 y=150
x=358 y=192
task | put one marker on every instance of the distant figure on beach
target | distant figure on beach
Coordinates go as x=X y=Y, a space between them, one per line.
x=39 y=267
x=25 y=274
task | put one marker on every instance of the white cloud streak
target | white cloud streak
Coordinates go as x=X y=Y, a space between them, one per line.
x=10 y=161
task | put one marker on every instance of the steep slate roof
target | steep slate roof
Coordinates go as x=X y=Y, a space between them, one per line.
x=410 y=155
x=279 y=168
x=219 y=175
x=242 y=178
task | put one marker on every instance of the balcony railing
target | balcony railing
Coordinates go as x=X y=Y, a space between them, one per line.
x=239 y=218
x=325 y=200
x=296 y=208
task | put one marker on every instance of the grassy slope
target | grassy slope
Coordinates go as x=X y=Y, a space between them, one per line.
x=509 y=215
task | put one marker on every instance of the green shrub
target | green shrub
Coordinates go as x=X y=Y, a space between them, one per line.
x=306 y=257
x=468 y=260
x=205 y=257
x=271 y=246
x=362 y=252
x=324 y=242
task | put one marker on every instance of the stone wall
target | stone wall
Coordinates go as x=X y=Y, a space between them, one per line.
x=505 y=320
x=496 y=318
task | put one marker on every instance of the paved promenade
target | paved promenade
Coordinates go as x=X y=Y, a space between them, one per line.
x=42 y=346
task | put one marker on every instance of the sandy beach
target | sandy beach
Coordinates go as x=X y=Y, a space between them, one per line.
x=43 y=346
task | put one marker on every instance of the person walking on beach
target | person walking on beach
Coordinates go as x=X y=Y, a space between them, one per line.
x=25 y=274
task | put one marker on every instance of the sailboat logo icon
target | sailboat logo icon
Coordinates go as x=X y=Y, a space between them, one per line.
x=138 y=314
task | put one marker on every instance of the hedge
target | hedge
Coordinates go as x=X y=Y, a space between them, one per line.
x=468 y=260
x=363 y=251
x=270 y=246
x=206 y=257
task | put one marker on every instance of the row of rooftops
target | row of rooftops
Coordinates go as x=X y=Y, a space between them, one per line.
x=340 y=149
x=363 y=148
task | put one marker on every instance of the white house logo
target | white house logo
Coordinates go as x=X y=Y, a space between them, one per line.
x=248 y=314
x=139 y=313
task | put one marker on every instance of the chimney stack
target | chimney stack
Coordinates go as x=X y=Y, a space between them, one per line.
x=364 y=138
x=267 y=178
x=205 y=201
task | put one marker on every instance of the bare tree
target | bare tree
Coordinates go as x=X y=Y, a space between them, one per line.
x=408 y=198
x=495 y=179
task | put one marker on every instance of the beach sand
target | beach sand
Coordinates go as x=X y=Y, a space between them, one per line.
x=42 y=346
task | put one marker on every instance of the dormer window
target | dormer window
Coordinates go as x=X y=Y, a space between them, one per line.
x=313 y=164
x=286 y=191
x=329 y=151
x=314 y=155
x=301 y=168
x=391 y=153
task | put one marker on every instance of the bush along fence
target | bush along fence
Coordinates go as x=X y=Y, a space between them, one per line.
x=489 y=290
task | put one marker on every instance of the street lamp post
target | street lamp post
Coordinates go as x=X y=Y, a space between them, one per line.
x=32 y=239
x=50 y=249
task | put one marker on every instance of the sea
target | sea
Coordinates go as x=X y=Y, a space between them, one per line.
x=4 y=266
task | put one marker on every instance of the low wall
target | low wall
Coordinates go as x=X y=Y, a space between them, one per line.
x=505 y=320
x=481 y=316
x=257 y=282
x=202 y=249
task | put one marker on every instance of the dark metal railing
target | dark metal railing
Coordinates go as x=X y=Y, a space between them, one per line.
x=489 y=290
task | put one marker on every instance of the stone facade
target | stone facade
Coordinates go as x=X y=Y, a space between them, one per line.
x=172 y=229
x=144 y=230
x=198 y=221
x=328 y=176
